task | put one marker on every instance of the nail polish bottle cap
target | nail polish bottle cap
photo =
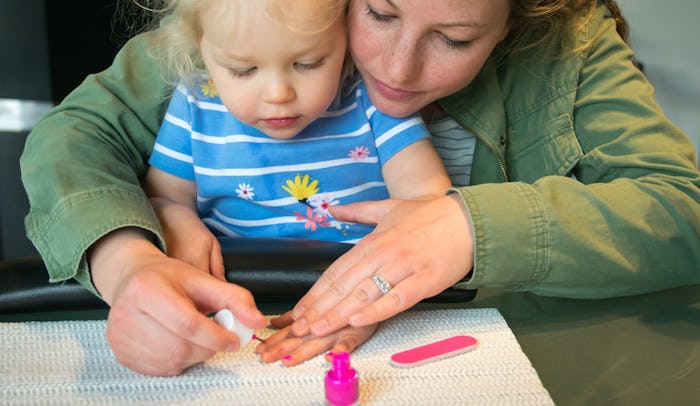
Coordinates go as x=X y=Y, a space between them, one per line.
x=227 y=320
x=342 y=381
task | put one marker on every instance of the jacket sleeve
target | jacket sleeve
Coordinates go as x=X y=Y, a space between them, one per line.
x=626 y=222
x=82 y=163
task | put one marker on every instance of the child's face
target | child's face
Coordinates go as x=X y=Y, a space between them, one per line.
x=269 y=77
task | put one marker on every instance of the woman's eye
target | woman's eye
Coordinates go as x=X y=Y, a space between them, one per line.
x=242 y=72
x=452 y=43
x=377 y=16
x=308 y=65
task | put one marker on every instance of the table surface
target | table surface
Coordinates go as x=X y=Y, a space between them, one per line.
x=638 y=350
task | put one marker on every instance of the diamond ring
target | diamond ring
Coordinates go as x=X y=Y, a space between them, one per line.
x=381 y=283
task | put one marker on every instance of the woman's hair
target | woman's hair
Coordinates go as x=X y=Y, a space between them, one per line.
x=537 y=23
x=177 y=29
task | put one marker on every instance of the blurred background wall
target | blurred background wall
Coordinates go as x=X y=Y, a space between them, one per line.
x=666 y=38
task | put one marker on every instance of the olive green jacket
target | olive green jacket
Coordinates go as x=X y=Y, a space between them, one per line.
x=581 y=186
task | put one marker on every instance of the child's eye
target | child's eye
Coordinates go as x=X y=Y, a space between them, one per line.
x=375 y=15
x=242 y=72
x=309 y=65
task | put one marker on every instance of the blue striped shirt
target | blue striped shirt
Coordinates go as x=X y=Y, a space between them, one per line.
x=249 y=184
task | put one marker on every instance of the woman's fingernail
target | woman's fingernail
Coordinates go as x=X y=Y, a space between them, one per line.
x=357 y=319
x=298 y=311
x=287 y=358
x=299 y=326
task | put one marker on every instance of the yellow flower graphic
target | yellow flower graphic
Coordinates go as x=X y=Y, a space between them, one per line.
x=301 y=189
x=208 y=89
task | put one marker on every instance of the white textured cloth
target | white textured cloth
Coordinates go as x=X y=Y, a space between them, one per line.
x=69 y=363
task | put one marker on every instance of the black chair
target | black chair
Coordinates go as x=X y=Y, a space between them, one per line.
x=273 y=269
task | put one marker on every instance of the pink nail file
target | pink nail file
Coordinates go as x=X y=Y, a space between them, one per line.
x=438 y=350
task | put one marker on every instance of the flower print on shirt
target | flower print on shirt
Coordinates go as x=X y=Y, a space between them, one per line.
x=359 y=153
x=301 y=188
x=245 y=191
x=208 y=89
x=322 y=202
x=312 y=220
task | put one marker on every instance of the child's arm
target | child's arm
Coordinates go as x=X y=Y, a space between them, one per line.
x=186 y=236
x=416 y=172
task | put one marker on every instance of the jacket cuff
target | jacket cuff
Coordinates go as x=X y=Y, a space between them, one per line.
x=511 y=240
x=64 y=235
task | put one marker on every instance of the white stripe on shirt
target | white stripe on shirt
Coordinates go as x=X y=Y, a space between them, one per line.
x=234 y=138
x=399 y=128
x=300 y=167
x=172 y=154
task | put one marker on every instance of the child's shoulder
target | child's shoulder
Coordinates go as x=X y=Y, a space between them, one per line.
x=352 y=85
x=200 y=88
x=353 y=90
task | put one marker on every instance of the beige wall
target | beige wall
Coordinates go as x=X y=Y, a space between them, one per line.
x=666 y=38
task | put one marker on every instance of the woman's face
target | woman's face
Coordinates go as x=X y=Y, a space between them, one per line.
x=413 y=52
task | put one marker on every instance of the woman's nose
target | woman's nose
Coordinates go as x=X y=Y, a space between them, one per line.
x=279 y=90
x=401 y=62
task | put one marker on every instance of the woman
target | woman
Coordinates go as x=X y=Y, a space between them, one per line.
x=580 y=186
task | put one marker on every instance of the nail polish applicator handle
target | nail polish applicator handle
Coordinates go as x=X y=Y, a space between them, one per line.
x=227 y=320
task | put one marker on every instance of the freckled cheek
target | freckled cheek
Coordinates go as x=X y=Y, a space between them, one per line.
x=364 y=46
x=450 y=77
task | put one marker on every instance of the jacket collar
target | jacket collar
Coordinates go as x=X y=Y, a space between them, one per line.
x=479 y=107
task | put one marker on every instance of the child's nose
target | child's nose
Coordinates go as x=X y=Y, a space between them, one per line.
x=279 y=90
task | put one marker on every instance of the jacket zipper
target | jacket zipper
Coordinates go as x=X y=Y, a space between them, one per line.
x=501 y=163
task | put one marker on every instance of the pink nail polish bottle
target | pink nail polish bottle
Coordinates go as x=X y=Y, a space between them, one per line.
x=342 y=382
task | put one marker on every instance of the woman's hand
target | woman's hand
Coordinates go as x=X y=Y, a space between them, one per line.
x=187 y=238
x=157 y=323
x=421 y=247
x=293 y=350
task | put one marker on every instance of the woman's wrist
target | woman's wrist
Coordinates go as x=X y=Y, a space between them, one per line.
x=108 y=258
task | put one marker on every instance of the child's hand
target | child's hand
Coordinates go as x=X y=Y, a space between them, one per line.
x=293 y=350
x=187 y=238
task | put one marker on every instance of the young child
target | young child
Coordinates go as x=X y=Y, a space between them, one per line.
x=269 y=130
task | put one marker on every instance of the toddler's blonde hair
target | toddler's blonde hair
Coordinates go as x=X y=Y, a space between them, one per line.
x=177 y=29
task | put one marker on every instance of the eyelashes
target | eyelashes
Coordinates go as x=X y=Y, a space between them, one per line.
x=373 y=14
x=309 y=65
x=240 y=73
x=454 y=44
x=444 y=39
x=299 y=66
